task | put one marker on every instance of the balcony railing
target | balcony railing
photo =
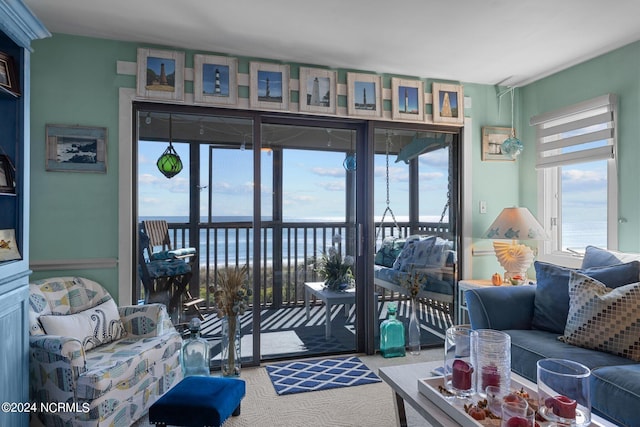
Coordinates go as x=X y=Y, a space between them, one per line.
x=288 y=252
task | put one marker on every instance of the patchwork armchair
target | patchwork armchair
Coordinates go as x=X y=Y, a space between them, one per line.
x=108 y=364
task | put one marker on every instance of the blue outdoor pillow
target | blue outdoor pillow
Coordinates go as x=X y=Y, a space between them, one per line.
x=551 y=304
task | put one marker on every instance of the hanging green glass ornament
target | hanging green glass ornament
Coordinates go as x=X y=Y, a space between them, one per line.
x=169 y=163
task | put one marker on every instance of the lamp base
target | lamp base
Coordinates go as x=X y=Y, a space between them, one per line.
x=515 y=259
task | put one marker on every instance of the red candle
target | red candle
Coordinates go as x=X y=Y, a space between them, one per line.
x=562 y=406
x=490 y=376
x=461 y=378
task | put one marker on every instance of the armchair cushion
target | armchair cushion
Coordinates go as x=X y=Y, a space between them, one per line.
x=551 y=305
x=93 y=327
x=167 y=267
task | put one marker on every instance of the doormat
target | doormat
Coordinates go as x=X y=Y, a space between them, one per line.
x=319 y=374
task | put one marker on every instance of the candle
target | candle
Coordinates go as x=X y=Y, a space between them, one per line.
x=461 y=378
x=562 y=406
x=490 y=376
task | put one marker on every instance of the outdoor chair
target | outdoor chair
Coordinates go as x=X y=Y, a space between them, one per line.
x=165 y=278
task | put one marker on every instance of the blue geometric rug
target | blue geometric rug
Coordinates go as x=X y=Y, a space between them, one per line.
x=319 y=374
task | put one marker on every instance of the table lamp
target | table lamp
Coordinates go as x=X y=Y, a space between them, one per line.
x=513 y=224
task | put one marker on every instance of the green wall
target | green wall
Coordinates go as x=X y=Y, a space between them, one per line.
x=75 y=216
x=617 y=72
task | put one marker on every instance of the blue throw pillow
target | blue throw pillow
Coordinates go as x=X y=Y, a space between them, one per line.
x=598 y=257
x=551 y=305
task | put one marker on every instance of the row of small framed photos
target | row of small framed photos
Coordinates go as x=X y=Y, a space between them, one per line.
x=160 y=75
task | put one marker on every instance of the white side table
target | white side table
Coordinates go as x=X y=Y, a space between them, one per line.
x=464 y=285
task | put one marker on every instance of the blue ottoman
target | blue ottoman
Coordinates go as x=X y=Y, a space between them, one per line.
x=199 y=401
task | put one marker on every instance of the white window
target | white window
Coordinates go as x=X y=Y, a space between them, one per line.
x=577 y=178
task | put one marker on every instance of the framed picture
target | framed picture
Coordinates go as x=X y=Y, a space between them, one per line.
x=7 y=175
x=317 y=90
x=492 y=139
x=407 y=99
x=8 y=79
x=448 y=103
x=364 y=93
x=215 y=79
x=160 y=74
x=269 y=86
x=8 y=246
x=76 y=148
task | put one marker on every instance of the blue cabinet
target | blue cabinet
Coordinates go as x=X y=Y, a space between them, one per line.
x=18 y=27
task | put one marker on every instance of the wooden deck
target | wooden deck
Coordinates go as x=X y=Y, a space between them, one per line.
x=286 y=332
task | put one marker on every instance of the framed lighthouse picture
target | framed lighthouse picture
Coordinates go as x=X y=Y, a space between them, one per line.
x=160 y=74
x=268 y=86
x=407 y=99
x=448 y=103
x=317 y=90
x=215 y=80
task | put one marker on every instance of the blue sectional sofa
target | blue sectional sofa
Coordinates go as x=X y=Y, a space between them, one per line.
x=547 y=320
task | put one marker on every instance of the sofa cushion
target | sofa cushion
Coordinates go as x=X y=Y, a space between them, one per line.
x=93 y=327
x=598 y=257
x=551 y=304
x=529 y=346
x=615 y=391
x=389 y=251
x=602 y=318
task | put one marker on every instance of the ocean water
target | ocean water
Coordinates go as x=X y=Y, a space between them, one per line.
x=236 y=244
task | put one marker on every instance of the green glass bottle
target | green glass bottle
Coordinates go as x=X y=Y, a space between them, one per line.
x=392 y=334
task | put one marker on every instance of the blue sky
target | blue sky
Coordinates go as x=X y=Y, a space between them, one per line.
x=412 y=95
x=314 y=184
x=275 y=83
x=154 y=63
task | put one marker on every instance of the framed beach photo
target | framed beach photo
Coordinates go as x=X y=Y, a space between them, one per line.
x=492 y=139
x=364 y=93
x=317 y=90
x=215 y=80
x=160 y=74
x=76 y=148
x=448 y=103
x=407 y=99
x=268 y=86
x=8 y=246
x=8 y=79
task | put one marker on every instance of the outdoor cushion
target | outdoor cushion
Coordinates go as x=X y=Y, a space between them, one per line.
x=173 y=254
x=389 y=251
x=169 y=267
x=551 y=304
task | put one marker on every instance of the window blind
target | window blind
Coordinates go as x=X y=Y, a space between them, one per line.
x=580 y=133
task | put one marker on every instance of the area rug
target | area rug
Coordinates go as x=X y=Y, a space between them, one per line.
x=319 y=374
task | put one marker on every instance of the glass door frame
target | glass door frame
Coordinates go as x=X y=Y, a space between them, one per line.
x=366 y=308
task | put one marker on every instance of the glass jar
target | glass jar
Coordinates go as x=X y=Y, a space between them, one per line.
x=230 y=352
x=392 y=334
x=194 y=356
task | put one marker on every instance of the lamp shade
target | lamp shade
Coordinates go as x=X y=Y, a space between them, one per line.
x=514 y=224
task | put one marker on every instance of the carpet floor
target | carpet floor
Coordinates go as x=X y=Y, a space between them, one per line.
x=370 y=405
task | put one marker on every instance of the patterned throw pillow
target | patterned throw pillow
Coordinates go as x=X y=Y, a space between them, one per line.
x=389 y=251
x=602 y=318
x=93 y=327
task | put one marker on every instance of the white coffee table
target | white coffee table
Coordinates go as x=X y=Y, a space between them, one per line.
x=403 y=380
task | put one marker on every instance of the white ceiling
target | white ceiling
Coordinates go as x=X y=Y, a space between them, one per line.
x=511 y=42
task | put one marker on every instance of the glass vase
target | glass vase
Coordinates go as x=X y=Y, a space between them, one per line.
x=414 y=329
x=230 y=354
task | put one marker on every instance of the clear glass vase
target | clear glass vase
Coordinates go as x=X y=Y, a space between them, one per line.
x=230 y=354
x=414 y=329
